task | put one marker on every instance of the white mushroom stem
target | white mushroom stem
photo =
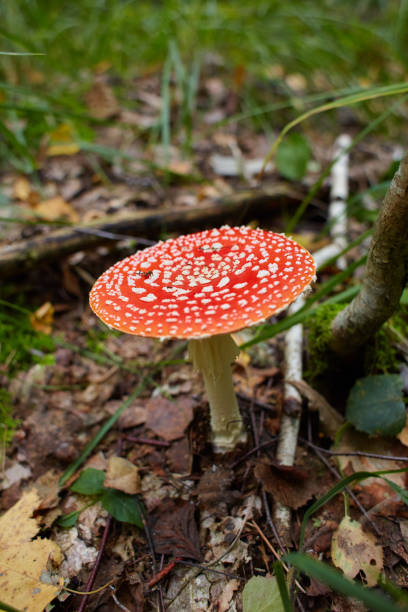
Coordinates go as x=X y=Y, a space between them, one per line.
x=213 y=357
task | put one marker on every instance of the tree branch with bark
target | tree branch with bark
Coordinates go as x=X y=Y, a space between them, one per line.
x=385 y=275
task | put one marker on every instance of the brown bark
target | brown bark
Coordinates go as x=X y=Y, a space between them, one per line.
x=57 y=244
x=385 y=275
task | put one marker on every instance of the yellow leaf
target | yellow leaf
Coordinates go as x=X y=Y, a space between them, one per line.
x=26 y=581
x=354 y=550
x=41 y=320
x=403 y=434
x=123 y=475
x=68 y=148
x=56 y=208
x=62 y=141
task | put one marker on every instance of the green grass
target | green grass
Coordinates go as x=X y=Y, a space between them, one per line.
x=334 y=46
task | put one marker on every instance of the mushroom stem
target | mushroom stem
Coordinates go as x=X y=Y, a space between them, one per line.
x=213 y=357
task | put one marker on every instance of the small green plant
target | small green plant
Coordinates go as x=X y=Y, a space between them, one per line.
x=123 y=507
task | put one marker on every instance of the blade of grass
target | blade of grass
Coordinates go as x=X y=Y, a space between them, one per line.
x=70 y=471
x=338 y=487
x=282 y=586
x=294 y=220
x=375 y=601
x=362 y=96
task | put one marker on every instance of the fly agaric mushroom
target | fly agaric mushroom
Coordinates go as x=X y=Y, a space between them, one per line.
x=202 y=287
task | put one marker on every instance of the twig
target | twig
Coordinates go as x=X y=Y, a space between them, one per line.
x=339 y=477
x=292 y=406
x=95 y=568
x=252 y=452
x=146 y=441
x=352 y=453
x=385 y=273
x=294 y=337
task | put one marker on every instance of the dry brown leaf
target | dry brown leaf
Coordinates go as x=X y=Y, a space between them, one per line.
x=26 y=582
x=56 y=208
x=291 y=486
x=167 y=419
x=122 y=475
x=41 y=320
x=101 y=100
x=179 y=457
x=355 y=550
x=175 y=531
x=377 y=488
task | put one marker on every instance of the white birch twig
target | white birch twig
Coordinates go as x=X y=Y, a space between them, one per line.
x=294 y=337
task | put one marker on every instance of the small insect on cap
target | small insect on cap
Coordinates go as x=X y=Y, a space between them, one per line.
x=212 y=282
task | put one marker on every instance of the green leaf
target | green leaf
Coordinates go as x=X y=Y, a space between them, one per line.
x=122 y=507
x=90 y=482
x=68 y=520
x=375 y=601
x=375 y=405
x=292 y=156
x=262 y=594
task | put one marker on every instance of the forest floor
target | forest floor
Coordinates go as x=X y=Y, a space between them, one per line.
x=65 y=375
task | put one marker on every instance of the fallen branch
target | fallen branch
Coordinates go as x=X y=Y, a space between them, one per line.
x=385 y=275
x=57 y=244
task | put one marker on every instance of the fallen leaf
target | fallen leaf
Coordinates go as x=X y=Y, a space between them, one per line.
x=25 y=579
x=101 y=100
x=13 y=474
x=403 y=434
x=291 y=486
x=167 y=419
x=62 y=141
x=123 y=475
x=354 y=550
x=179 y=457
x=56 y=208
x=351 y=441
x=41 y=320
x=261 y=593
x=175 y=531
x=223 y=603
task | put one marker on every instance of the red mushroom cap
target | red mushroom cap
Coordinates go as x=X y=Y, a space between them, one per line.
x=212 y=282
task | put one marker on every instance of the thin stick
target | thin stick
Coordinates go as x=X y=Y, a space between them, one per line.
x=352 y=453
x=95 y=568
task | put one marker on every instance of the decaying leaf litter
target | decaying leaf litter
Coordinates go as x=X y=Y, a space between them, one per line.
x=177 y=526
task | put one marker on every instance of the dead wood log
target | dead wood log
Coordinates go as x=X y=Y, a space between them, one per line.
x=57 y=244
x=385 y=276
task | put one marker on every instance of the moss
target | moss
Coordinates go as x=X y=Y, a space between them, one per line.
x=381 y=356
x=318 y=332
x=8 y=425
x=20 y=345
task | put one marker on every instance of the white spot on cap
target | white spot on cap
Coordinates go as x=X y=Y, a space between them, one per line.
x=150 y=297
x=224 y=281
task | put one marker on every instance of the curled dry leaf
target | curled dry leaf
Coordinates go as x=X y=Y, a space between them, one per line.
x=41 y=320
x=122 y=475
x=291 y=486
x=354 y=551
